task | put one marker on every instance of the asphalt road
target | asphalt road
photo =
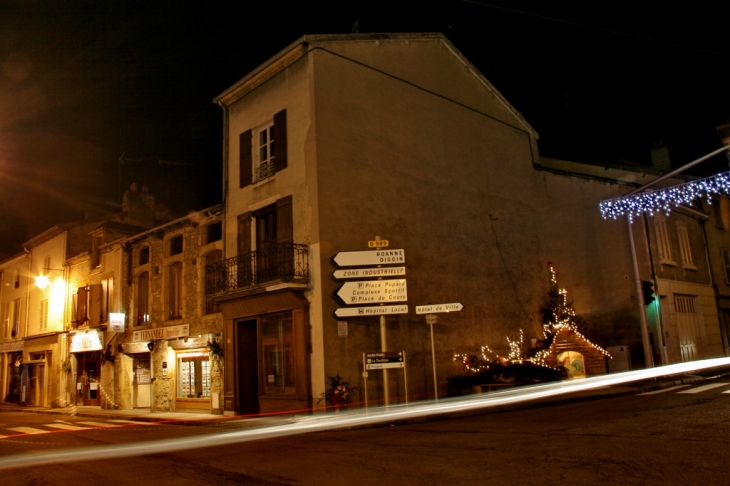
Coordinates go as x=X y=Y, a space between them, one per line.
x=663 y=438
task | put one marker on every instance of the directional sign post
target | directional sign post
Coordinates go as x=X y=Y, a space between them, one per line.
x=369 y=272
x=432 y=319
x=373 y=291
x=371 y=311
x=369 y=257
x=384 y=360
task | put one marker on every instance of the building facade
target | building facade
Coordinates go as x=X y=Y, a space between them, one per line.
x=339 y=140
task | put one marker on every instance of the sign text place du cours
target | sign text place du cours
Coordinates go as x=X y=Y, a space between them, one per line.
x=373 y=291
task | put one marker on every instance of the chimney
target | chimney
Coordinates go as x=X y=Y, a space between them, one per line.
x=660 y=158
x=139 y=207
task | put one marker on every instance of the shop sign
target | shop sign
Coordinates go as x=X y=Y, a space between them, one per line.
x=116 y=321
x=170 y=332
x=11 y=346
x=86 y=341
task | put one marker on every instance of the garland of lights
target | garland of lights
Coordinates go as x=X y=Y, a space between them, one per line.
x=665 y=199
x=563 y=318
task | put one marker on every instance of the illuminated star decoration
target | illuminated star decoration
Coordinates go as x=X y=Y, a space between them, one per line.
x=665 y=199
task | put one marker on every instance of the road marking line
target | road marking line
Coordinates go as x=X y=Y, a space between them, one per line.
x=66 y=427
x=28 y=430
x=700 y=389
x=663 y=390
x=99 y=424
x=132 y=422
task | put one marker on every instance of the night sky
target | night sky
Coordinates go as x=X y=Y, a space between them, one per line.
x=83 y=82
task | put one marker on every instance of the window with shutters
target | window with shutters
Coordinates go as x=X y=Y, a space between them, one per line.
x=107 y=293
x=43 y=316
x=684 y=247
x=263 y=150
x=726 y=262
x=265 y=243
x=15 y=308
x=6 y=320
x=142 y=299
x=174 y=290
x=662 y=236
x=80 y=310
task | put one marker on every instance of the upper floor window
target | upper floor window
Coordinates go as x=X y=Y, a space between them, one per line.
x=80 y=315
x=213 y=232
x=174 y=291
x=143 y=256
x=726 y=262
x=662 y=236
x=43 y=315
x=142 y=299
x=96 y=243
x=176 y=245
x=263 y=151
x=11 y=318
x=16 y=279
x=107 y=293
x=684 y=247
x=211 y=258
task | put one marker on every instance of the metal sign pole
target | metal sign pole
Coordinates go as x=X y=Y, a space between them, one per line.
x=384 y=348
x=405 y=373
x=431 y=320
x=365 y=380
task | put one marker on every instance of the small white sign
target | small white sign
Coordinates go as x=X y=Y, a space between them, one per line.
x=438 y=308
x=371 y=311
x=116 y=321
x=342 y=328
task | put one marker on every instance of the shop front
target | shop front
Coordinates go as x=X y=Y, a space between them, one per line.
x=193 y=380
x=12 y=359
x=86 y=347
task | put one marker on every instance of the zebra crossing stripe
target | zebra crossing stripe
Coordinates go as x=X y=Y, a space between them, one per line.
x=28 y=430
x=99 y=424
x=135 y=422
x=700 y=389
x=65 y=426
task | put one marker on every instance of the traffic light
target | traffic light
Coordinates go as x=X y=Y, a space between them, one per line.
x=648 y=290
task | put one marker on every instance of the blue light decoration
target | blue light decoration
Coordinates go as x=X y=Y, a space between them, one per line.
x=665 y=199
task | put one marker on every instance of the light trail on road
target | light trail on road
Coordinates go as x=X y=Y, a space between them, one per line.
x=358 y=418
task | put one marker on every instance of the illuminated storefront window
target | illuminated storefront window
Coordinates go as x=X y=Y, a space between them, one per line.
x=277 y=342
x=193 y=374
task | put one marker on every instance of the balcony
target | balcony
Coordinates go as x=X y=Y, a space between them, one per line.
x=281 y=262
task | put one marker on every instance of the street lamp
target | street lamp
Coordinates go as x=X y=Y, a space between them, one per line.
x=41 y=281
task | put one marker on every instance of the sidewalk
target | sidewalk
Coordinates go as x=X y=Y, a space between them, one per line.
x=183 y=418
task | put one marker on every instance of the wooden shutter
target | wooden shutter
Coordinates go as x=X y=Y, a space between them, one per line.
x=280 y=159
x=284 y=225
x=244 y=233
x=245 y=148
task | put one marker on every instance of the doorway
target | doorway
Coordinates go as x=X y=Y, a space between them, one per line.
x=247 y=369
x=142 y=381
x=88 y=383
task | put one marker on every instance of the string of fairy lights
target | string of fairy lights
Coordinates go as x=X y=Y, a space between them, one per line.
x=563 y=318
x=663 y=200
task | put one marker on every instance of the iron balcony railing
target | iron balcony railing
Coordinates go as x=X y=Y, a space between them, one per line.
x=278 y=262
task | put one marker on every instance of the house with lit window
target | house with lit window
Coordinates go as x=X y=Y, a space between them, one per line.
x=345 y=143
x=168 y=357
x=14 y=281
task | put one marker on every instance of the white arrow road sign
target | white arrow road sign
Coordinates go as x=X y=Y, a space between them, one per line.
x=369 y=272
x=371 y=311
x=438 y=308
x=373 y=291
x=369 y=257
